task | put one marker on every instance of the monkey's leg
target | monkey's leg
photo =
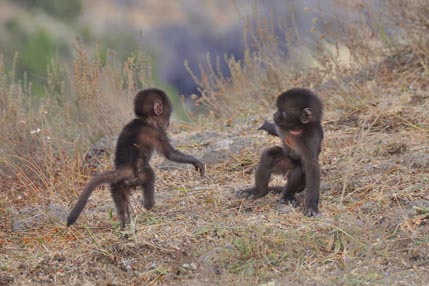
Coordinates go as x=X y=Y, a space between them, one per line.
x=148 y=188
x=273 y=161
x=126 y=205
x=295 y=184
x=312 y=182
x=120 y=195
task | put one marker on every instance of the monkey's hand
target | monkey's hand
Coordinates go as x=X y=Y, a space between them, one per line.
x=199 y=167
x=269 y=127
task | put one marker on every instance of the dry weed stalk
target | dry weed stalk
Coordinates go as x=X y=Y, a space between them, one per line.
x=93 y=101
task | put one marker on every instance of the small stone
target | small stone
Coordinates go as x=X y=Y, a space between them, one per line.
x=185 y=266
x=153 y=266
x=192 y=266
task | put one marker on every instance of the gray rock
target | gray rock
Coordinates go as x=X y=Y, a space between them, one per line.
x=31 y=217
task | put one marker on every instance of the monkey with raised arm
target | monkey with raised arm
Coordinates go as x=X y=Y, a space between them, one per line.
x=297 y=122
x=136 y=143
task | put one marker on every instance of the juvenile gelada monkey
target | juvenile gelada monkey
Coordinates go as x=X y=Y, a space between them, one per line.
x=136 y=142
x=297 y=122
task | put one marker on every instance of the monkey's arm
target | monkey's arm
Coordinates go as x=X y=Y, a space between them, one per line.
x=179 y=157
x=176 y=156
x=269 y=127
x=272 y=161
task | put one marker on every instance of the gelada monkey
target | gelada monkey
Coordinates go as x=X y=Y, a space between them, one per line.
x=297 y=122
x=136 y=143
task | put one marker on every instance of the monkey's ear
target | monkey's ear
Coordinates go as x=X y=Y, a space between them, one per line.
x=306 y=115
x=157 y=107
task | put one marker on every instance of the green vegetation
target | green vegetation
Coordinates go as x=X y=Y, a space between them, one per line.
x=63 y=9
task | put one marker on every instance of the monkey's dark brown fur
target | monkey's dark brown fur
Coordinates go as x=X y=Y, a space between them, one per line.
x=134 y=148
x=297 y=122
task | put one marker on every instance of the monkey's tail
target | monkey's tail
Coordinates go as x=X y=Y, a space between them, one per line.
x=103 y=178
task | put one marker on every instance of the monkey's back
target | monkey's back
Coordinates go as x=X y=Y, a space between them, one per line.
x=129 y=148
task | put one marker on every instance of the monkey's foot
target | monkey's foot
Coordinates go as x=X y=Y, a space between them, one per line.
x=249 y=194
x=311 y=211
x=124 y=220
x=147 y=203
x=289 y=199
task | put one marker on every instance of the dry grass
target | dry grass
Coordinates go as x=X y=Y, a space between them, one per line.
x=372 y=230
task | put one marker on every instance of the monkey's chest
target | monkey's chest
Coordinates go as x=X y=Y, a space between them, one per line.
x=290 y=141
x=290 y=144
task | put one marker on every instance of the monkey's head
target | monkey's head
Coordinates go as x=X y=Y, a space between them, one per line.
x=297 y=109
x=153 y=106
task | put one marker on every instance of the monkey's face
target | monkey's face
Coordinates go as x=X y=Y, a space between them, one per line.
x=159 y=120
x=162 y=112
x=292 y=113
x=163 y=121
x=288 y=119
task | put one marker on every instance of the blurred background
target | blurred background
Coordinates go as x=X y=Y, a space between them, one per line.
x=171 y=32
